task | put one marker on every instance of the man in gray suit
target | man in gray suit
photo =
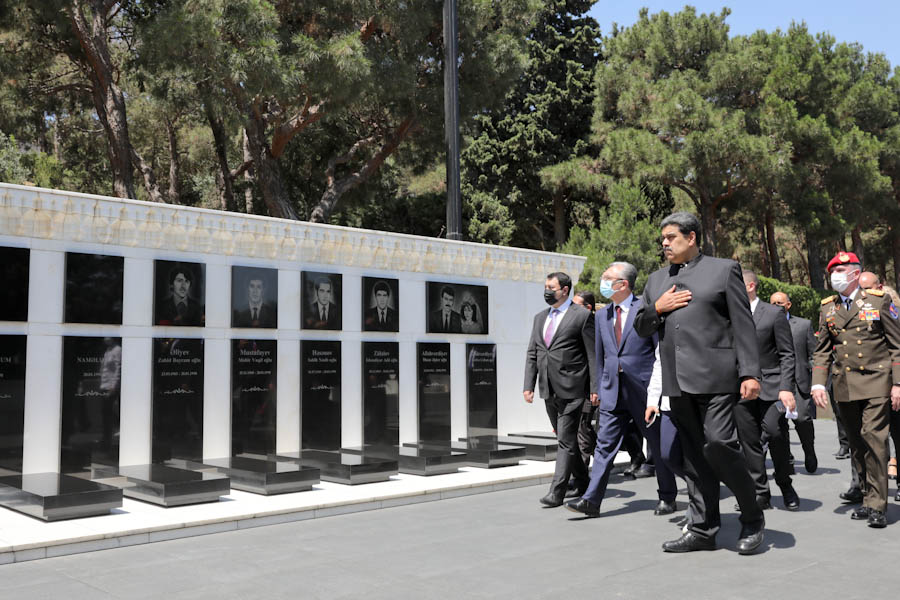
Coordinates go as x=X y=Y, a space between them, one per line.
x=560 y=357
x=804 y=345
x=764 y=416
x=698 y=305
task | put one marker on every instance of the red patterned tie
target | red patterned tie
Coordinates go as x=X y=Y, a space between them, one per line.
x=618 y=325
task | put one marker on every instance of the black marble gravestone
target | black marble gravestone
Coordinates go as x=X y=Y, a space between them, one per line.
x=94 y=288
x=12 y=402
x=381 y=393
x=14 y=266
x=177 y=399
x=254 y=297
x=481 y=385
x=179 y=294
x=253 y=397
x=434 y=391
x=55 y=496
x=92 y=374
x=320 y=394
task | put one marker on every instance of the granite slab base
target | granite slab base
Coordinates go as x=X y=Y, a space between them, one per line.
x=56 y=497
x=535 y=434
x=260 y=475
x=165 y=485
x=479 y=453
x=344 y=467
x=416 y=461
x=541 y=449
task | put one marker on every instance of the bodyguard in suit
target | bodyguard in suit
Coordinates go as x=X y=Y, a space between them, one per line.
x=859 y=342
x=804 y=345
x=560 y=357
x=765 y=414
x=698 y=307
x=624 y=365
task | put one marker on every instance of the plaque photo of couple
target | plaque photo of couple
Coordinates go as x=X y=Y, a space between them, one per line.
x=457 y=308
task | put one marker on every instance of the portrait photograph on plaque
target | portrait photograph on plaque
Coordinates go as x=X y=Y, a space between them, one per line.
x=253 y=396
x=481 y=388
x=381 y=304
x=381 y=393
x=177 y=399
x=254 y=297
x=12 y=402
x=320 y=394
x=180 y=294
x=94 y=288
x=91 y=392
x=433 y=372
x=14 y=267
x=321 y=300
x=457 y=308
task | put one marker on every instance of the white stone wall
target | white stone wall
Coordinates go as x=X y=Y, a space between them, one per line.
x=52 y=222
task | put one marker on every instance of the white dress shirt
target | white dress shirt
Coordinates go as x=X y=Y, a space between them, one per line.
x=654 y=389
x=754 y=304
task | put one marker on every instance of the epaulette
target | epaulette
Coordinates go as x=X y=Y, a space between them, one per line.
x=828 y=299
x=875 y=292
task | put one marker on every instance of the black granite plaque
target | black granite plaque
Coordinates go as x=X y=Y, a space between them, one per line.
x=94 y=288
x=381 y=304
x=481 y=382
x=381 y=393
x=254 y=297
x=320 y=394
x=321 y=300
x=14 y=265
x=457 y=308
x=177 y=399
x=434 y=391
x=12 y=401
x=253 y=398
x=92 y=376
x=180 y=294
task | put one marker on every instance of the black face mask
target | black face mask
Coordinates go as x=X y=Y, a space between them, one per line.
x=550 y=296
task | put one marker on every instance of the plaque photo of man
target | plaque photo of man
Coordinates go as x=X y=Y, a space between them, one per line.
x=381 y=304
x=180 y=294
x=457 y=308
x=94 y=285
x=254 y=297
x=321 y=300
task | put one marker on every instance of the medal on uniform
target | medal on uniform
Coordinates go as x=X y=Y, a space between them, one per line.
x=892 y=310
x=859 y=302
x=869 y=315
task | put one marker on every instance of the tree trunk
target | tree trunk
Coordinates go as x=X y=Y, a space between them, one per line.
x=774 y=261
x=248 y=175
x=268 y=172
x=761 y=245
x=895 y=251
x=856 y=236
x=708 y=220
x=560 y=231
x=814 y=258
x=174 y=171
x=220 y=144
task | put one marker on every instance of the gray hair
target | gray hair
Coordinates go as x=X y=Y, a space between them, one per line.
x=627 y=271
x=686 y=223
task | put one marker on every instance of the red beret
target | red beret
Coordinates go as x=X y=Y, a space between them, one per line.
x=842 y=258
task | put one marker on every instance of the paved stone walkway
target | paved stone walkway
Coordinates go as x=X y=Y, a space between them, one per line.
x=502 y=545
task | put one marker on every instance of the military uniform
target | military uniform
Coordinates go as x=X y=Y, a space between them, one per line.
x=861 y=346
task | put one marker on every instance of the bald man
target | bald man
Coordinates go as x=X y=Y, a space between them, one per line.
x=804 y=345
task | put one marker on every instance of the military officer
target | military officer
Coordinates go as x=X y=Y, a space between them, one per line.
x=859 y=340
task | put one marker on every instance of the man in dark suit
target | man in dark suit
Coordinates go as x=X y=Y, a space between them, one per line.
x=765 y=416
x=698 y=306
x=381 y=317
x=323 y=313
x=258 y=313
x=445 y=319
x=624 y=365
x=560 y=357
x=804 y=345
x=179 y=308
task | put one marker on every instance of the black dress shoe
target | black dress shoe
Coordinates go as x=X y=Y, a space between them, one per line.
x=852 y=496
x=764 y=502
x=877 y=519
x=551 y=500
x=751 y=538
x=811 y=462
x=897 y=497
x=689 y=542
x=576 y=492
x=842 y=453
x=791 y=499
x=585 y=507
x=861 y=514
x=644 y=471
x=791 y=458
x=664 y=508
x=631 y=469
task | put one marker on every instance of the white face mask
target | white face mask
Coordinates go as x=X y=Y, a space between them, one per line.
x=840 y=282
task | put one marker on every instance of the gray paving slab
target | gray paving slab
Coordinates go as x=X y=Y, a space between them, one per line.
x=502 y=545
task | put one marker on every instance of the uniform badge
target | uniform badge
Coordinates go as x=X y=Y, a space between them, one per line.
x=859 y=302
x=831 y=311
x=869 y=315
x=892 y=310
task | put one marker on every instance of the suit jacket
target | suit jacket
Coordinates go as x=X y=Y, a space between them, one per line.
x=566 y=368
x=436 y=322
x=776 y=350
x=804 y=346
x=332 y=322
x=267 y=317
x=371 y=322
x=708 y=346
x=168 y=314
x=634 y=357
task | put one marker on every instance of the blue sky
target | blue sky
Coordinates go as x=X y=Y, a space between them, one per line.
x=872 y=23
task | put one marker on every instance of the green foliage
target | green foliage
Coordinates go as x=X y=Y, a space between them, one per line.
x=11 y=168
x=805 y=301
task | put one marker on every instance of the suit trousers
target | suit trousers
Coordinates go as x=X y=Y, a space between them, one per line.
x=550 y=407
x=895 y=431
x=843 y=442
x=803 y=424
x=712 y=453
x=587 y=435
x=755 y=419
x=868 y=424
x=669 y=444
x=568 y=457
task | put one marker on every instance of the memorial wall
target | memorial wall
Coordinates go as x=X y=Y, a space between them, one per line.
x=132 y=333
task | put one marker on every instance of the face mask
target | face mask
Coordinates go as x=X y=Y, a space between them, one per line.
x=549 y=296
x=606 y=288
x=840 y=282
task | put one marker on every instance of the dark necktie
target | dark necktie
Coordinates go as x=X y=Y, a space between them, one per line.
x=321 y=313
x=255 y=313
x=847 y=304
x=618 y=325
x=381 y=316
x=181 y=308
x=446 y=322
